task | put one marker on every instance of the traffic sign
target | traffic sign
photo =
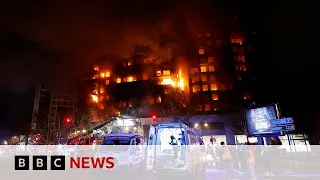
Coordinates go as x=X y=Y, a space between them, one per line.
x=281 y=121
x=287 y=127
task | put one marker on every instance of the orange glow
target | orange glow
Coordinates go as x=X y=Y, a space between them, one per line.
x=203 y=68
x=168 y=81
x=195 y=88
x=214 y=87
x=204 y=78
x=166 y=72
x=101 y=90
x=95 y=98
x=130 y=63
x=210 y=59
x=102 y=75
x=214 y=97
x=207 y=107
x=118 y=80
x=236 y=41
x=205 y=88
x=108 y=74
x=159 y=73
x=107 y=82
x=211 y=69
x=201 y=51
x=194 y=70
x=96 y=68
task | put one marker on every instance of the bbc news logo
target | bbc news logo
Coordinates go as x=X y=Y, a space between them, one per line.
x=59 y=162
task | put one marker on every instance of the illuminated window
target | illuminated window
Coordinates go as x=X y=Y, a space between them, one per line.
x=103 y=75
x=166 y=91
x=207 y=34
x=129 y=79
x=96 y=68
x=101 y=90
x=95 y=91
x=195 y=88
x=239 y=58
x=201 y=51
x=214 y=87
x=107 y=98
x=241 y=67
x=108 y=74
x=214 y=97
x=205 y=87
x=166 y=72
x=211 y=69
x=194 y=79
x=236 y=41
x=158 y=99
x=203 y=68
x=194 y=70
x=159 y=73
x=212 y=78
x=204 y=78
x=107 y=82
x=129 y=63
x=118 y=80
x=207 y=107
x=210 y=59
x=208 y=43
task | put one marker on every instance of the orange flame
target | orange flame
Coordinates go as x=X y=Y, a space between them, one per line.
x=95 y=98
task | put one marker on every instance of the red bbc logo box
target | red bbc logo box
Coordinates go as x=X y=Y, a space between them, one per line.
x=39 y=162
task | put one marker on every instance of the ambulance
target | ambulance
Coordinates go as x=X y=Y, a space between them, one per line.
x=127 y=150
x=175 y=148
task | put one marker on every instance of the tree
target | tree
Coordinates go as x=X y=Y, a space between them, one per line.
x=177 y=105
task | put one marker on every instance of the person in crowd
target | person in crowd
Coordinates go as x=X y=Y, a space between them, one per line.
x=250 y=156
x=227 y=160
x=174 y=143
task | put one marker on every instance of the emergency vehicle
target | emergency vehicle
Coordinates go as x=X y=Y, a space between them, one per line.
x=186 y=157
x=126 y=148
x=88 y=144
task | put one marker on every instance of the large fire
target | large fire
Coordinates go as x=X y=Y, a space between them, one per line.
x=178 y=81
x=95 y=98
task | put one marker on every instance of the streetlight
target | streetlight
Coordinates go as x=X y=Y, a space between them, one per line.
x=5 y=142
x=135 y=128
x=205 y=124
x=84 y=131
x=127 y=128
x=196 y=125
x=78 y=131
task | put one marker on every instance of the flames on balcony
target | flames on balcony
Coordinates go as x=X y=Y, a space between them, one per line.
x=178 y=81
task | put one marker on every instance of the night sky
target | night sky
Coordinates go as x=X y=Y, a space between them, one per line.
x=55 y=43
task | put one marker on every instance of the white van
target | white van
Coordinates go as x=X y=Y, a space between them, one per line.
x=126 y=148
x=175 y=148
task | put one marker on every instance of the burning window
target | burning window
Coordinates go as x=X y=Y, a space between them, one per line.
x=166 y=91
x=159 y=73
x=204 y=78
x=203 y=68
x=214 y=97
x=102 y=90
x=107 y=98
x=158 y=99
x=107 y=82
x=96 y=68
x=166 y=72
x=103 y=75
x=241 y=67
x=95 y=91
x=214 y=87
x=108 y=74
x=207 y=34
x=207 y=107
x=211 y=69
x=201 y=51
x=119 y=80
x=194 y=79
x=210 y=59
x=129 y=79
x=205 y=87
x=129 y=63
x=95 y=98
x=145 y=76
x=194 y=70
x=195 y=88
x=239 y=58
x=236 y=41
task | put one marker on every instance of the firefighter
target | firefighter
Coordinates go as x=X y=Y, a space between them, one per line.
x=227 y=159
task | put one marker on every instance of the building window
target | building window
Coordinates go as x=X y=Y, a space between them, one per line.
x=236 y=41
x=118 y=80
x=166 y=91
x=237 y=49
x=108 y=74
x=214 y=97
x=194 y=79
x=101 y=90
x=241 y=67
x=194 y=70
x=205 y=88
x=199 y=108
x=159 y=73
x=158 y=99
x=210 y=59
x=214 y=87
x=129 y=63
x=107 y=82
x=95 y=91
x=207 y=107
x=204 y=78
x=212 y=78
x=103 y=75
x=195 y=88
x=145 y=76
x=203 y=68
x=166 y=72
x=129 y=79
x=96 y=68
x=239 y=58
x=211 y=69
x=201 y=51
